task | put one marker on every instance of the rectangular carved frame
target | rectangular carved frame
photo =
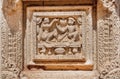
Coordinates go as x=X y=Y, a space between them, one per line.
x=30 y=45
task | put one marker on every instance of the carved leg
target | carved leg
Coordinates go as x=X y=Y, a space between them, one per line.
x=75 y=36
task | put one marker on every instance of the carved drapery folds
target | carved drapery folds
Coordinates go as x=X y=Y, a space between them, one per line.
x=108 y=42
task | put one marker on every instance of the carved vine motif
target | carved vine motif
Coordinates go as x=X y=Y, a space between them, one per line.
x=59 y=34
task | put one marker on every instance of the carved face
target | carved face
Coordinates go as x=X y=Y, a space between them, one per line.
x=71 y=21
x=63 y=21
x=79 y=20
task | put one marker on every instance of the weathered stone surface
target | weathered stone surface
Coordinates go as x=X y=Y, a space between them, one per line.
x=0 y=37
x=60 y=75
x=61 y=2
x=23 y=44
x=108 y=40
x=11 y=39
x=68 y=28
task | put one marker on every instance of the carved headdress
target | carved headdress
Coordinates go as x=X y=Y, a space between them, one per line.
x=71 y=20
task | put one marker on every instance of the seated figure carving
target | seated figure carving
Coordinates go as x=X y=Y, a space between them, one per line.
x=47 y=33
x=64 y=31
x=72 y=29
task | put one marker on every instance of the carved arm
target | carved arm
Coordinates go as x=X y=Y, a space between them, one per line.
x=50 y=24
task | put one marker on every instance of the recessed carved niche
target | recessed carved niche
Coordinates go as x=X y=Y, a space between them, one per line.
x=59 y=38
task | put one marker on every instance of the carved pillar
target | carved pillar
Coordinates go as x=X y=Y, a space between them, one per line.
x=0 y=53
x=11 y=39
x=108 y=40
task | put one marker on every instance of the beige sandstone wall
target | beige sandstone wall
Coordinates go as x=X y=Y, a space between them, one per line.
x=108 y=40
x=108 y=52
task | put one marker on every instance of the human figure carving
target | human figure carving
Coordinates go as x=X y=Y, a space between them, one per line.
x=46 y=33
x=72 y=30
x=62 y=29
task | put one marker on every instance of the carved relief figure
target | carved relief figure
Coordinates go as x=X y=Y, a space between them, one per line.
x=72 y=30
x=47 y=32
x=11 y=6
x=62 y=29
x=73 y=35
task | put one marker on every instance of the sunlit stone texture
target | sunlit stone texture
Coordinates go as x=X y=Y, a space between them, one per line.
x=59 y=39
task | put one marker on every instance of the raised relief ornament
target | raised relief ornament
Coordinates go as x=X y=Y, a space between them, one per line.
x=60 y=39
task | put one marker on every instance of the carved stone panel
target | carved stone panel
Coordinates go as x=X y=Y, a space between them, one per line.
x=60 y=39
x=57 y=37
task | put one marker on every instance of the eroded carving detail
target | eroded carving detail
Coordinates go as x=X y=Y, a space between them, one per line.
x=108 y=43
x=12 y=11
x=11 y=54
x=11 y=39
x=59 y=36
x=111 y=71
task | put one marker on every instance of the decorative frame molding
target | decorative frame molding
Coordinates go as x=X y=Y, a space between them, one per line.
x=31 y=33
